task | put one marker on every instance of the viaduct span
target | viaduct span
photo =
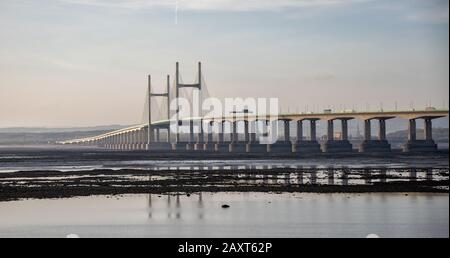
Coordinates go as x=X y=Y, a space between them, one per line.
x=148 y=136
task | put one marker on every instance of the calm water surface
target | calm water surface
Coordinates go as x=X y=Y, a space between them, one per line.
x=250 y=215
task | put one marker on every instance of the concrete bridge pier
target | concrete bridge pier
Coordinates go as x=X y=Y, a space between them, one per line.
x=303 y=145
x=200 y=144
x=379 y=145
x=133 y=140
x=253 y=145
x=341 y=145
x=236 y=145
x=119 y=141
x=209 y=144
x=113 y=142
x=221 y=145
x=158 y=134
x=143 y=141
x=121 y=145
x=425 y=145
x=253 y=131
x=284 y=145
x=128 y=140
x=249 y=128
x=191 y=144
x=109 y=141
x=158 y=143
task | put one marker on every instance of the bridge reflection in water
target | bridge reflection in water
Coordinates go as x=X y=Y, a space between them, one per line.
x=171 y=204
x=291 y=175
x=174 y=205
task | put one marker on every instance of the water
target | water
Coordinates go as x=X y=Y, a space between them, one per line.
x=60 y=158
x=250 y=215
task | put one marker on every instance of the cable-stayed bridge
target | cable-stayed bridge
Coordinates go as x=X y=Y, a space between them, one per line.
x=246 y=131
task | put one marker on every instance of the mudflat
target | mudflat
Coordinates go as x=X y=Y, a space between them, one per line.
x=36 y=173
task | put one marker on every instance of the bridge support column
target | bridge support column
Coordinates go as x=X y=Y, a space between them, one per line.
x=113 y=142
x=313 y=130
x=221 y=145
x=158 y=134
x=412 y=130
x=299 y=130
x=285 y=145
x=246 y=131
x=287 y=131
x=330 y=130
x=425 y=145
x=235 y=145
x=306 y=146
x=382 y=130
x=138 y=139
x=200 y=144
x=130 y=140
x=379 y=145
x=235 y=137
x=247 y=136
x=428 y=130
x=209 y=145
x=221 y=132
x=191 y=143
x=253 y=134
x=122 y=141
x=344 y=135
x=367 y=130
x=340 y=145
x=252 y=145
x=143 y=139
x=119 y=142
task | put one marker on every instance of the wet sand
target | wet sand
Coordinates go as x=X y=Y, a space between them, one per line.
x=56 y=184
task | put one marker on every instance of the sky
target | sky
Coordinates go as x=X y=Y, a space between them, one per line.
x=67 y=63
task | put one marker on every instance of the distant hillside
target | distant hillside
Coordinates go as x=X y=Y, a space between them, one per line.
x=439 y=135
x=61 y=130
x=44 y=138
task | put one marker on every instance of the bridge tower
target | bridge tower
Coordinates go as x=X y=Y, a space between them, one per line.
x=151 y=130
x=190 y=144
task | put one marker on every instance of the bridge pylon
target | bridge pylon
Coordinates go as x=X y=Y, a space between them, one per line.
x=151 y=130
x=178 y=86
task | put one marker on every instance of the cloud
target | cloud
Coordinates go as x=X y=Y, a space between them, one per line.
x=225 y=5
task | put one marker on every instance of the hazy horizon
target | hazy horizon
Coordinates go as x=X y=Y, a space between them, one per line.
x=77 y=63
